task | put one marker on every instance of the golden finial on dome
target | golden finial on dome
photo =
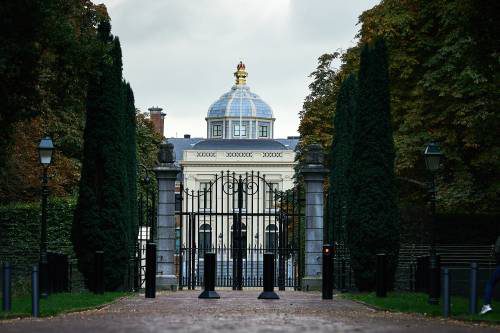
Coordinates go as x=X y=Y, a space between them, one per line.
x=241 y=74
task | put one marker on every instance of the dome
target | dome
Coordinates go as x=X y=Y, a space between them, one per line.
x=239 y=113
x=240 y=101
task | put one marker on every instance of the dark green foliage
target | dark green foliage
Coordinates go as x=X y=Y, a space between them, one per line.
x=372 y=225
x=103 y=218
x=20 y=232
x=45 y=60
x=341 y=156
x=19 y=56
x=131 y=142
x=444 y=79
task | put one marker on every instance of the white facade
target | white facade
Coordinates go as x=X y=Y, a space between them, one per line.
x=199 y=166
x=203 y=169
x=240 y=132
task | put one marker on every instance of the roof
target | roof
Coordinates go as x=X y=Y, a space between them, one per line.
x=239 y=144
x=181 y=144
x=240 y=102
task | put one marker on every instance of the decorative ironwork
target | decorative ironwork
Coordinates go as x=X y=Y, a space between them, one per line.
x=272 y=154
x=239 y=217
x=146 y=212
x=239 y=154
x=205 y=154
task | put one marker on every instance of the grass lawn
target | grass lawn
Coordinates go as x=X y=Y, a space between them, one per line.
x=60 y=303
x=417 y=303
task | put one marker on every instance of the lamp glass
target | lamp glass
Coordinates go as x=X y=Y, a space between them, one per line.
x=432 y=162
x=45 y=156
x=45 y=150
x=432 y=156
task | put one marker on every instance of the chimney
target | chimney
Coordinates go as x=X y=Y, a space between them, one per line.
x=187 y=136
x=157 y=117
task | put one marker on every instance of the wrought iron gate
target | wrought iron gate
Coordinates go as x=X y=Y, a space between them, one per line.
x=147 y=216
x=239 y=217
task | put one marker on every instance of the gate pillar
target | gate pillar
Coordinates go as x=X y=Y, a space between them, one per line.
x=314 y=174
x=166 y=174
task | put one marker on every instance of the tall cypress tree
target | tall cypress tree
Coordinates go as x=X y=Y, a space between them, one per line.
x=102 y=216
x=373 y=217
x=131 y=144
x=86 y=230
x=115 y=217
x=341 y=155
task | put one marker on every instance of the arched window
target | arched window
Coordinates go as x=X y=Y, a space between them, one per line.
x=271 y=238
x=234 y=245
x=204 y=238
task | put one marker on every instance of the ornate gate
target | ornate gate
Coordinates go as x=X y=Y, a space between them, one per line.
x=146 y=220
x=239 y=217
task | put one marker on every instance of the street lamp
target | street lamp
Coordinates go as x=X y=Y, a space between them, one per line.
x=433 y=155
x=45 y=150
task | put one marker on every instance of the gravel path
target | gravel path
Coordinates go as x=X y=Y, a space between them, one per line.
x=237 y=311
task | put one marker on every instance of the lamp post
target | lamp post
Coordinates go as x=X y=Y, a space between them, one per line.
x=149 y=202
x=45 y=150
x=433 y=156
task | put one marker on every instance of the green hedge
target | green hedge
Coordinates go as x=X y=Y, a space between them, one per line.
x=20 y=232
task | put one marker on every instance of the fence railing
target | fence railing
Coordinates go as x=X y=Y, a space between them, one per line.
x=63 y=276
x=409 y=275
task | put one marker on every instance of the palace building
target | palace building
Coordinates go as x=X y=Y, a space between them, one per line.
x=229 y=184
x=240 y=138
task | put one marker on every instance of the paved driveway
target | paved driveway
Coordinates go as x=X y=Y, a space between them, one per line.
x=237 y=311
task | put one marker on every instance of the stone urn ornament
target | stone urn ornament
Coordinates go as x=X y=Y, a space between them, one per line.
x=166 y=153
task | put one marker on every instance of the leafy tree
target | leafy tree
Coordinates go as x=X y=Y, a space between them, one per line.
x=317 y=112
x=372 y=225
x=444 y=78
x=148 y=141
x=19 y=57
x=45 y=61
x=341 y=156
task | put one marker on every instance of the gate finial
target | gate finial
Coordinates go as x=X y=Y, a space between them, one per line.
x=314 y=154
x=166 y=153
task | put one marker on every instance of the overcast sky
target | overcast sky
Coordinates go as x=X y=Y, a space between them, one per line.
x=181 y=54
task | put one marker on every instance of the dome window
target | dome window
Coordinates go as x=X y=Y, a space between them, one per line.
x=217 y=130
x=239 y=130
x=263 y=131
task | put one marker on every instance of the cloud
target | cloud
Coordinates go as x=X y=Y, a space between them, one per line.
x=180 y=55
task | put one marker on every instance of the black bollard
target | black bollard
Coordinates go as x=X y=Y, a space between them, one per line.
x=150 y=270
x=381 y=275
x=473 y=289
x=209 y=277
x=327 y=285
x=6 y=287
x=99 y=272
x=35 y=292
x=268 y=292
x=434 y=280
x=446 y=293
